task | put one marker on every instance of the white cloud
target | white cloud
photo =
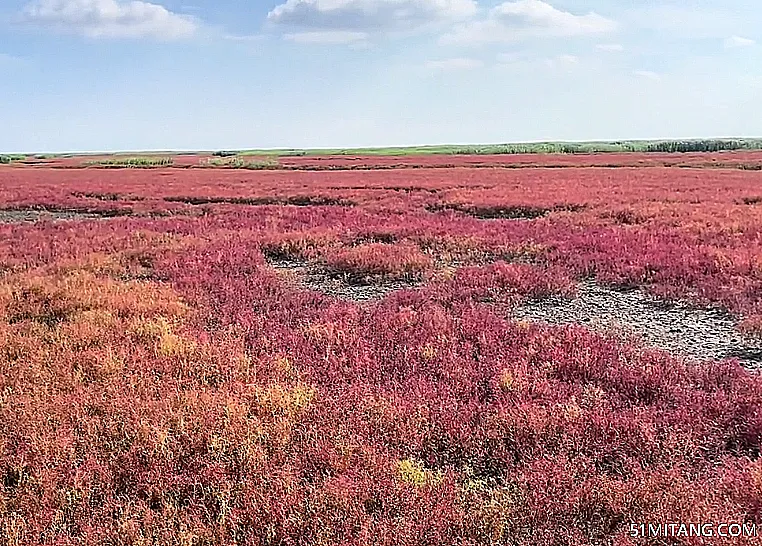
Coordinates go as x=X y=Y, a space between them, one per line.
x=332 y=37
x=561 y=62
x=447 y=65
x=526 y=60
x=523 y=19
x=247 y=38
x=541 y=15
x=647 y=75
x=610 y=48
x=567 y=59
x=368 y=15
x=513 y=57
x=111 y=19
x=735 y=42
x=684 y=19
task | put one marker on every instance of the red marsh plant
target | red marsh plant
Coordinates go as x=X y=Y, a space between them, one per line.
x=160 y=384
x=392 y=261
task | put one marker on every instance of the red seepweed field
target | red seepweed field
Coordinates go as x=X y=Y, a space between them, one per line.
x=303 y=355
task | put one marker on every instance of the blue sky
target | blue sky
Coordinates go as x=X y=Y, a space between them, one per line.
x=99 y=75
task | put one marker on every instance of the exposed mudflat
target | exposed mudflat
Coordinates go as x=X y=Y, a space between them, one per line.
x=317 y=278
x=22 y=216
x=679 y=328
x=676 y=327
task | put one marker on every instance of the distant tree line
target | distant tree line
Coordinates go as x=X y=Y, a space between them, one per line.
x=591 y=147
x=666 y=146
x=683 y=146
x=6 y=159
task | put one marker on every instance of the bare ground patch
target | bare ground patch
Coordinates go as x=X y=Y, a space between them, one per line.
x=680 y=328
x=35 y=214
x=14 y=216
x=315 y=276
x=299 y=201
x=507 y=212
x=108 y=196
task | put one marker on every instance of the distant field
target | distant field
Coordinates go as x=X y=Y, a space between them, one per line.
x=642 y=146
x=732 y=159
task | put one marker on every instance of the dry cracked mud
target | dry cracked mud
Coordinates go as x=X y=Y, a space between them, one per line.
x=679 y=328
x=317 y=278
x=31 y=216
x=676 y=327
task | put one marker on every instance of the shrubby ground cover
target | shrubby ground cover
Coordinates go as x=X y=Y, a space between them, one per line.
x=160 y=383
